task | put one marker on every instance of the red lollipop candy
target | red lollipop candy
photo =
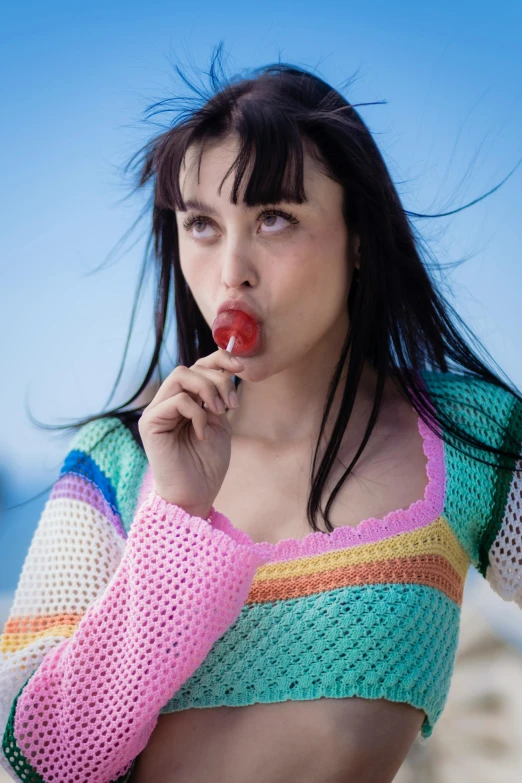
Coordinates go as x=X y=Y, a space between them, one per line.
x=235 y=329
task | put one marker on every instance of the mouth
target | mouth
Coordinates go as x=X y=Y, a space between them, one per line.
x=238 y=304
x=239 y=318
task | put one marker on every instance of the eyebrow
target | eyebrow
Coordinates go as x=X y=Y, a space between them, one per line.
x=196 y=203
x=201 y=206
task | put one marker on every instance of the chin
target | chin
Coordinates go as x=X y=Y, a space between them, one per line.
x=255 y=371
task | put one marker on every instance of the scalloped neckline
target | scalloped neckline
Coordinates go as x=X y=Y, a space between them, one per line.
x=419 y=513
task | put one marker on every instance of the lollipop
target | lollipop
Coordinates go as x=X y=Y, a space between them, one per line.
x=234 y=328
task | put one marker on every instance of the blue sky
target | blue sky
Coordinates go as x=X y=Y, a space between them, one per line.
x=75 y=84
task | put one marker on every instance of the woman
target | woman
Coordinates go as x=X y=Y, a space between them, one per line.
x=179 y=562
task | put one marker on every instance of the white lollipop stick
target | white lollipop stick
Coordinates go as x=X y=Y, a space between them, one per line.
x=229 y=348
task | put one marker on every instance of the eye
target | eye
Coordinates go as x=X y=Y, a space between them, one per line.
x=192 y=221
x=197 y=221
x=271 y=213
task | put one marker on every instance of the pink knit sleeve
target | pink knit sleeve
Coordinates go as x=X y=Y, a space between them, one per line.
x=89 y=709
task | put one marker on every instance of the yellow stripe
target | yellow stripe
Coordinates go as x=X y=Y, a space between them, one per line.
x=437 y=538
x=12 y=642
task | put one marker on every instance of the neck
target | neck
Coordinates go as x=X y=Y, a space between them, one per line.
x=287 y=408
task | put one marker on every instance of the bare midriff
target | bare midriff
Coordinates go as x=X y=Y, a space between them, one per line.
x=312 y=741
x=319 y=741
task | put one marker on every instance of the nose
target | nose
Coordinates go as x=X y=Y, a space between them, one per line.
x=237 y=263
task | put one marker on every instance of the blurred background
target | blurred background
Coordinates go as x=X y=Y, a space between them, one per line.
x=446 y=88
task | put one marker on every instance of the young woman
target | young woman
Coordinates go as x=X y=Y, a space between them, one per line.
x=182 y=615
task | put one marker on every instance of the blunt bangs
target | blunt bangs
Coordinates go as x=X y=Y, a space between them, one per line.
x=271 y=150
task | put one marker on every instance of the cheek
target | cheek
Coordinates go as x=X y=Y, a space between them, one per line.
x=317 y=279
x=187 y=259
x=197 y=278
x=194 y=265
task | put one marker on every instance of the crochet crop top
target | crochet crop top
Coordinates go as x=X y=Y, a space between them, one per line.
x=128 y=607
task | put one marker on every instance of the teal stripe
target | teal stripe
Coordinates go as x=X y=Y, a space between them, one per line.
x=115 y=463
x=335 y=644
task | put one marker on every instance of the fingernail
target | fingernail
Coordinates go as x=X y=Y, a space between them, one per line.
x=236 y=361
x=220 y=405
x=233 y=399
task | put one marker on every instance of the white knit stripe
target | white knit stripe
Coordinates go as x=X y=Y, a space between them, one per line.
x=504 y=572
x=73 y=555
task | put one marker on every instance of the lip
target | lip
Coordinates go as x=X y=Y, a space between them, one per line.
x=240 y=304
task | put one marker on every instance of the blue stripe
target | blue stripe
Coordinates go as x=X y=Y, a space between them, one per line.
x=82 y=464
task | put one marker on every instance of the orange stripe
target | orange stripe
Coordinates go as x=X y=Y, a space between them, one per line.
x=36 y=624
x=430 y=570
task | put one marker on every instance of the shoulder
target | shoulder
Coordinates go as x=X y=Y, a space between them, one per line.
x=105 y=452
x=103 y=429
x=480 y=484
x=484 y=408
x=90 y=436
x=464 y=385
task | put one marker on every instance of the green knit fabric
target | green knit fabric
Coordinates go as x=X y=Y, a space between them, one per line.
x=299 y=649
x=302 y=649
x=395 y=640
x=476 y=494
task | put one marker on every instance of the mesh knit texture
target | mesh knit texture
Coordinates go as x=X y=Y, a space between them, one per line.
x=505 y=557
x=89 y=708
x=127 y=607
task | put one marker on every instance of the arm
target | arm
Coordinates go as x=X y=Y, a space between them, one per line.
x=89 y=707
x=501 y=543
x=76 y=548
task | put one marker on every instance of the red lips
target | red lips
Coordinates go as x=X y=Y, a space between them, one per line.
x=240 y=304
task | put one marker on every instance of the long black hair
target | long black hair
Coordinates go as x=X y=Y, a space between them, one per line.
x=400 y=322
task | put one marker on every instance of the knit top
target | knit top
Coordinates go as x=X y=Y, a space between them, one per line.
x=128 y=607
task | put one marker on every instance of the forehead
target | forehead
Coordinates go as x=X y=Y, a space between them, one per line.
x=207 y=175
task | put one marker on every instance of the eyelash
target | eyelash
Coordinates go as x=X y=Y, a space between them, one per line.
x=264 y=213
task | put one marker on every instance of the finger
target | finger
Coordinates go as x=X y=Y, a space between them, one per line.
x=196 y=384
x=168 y=414
x=224 y=384
x=221 y=360
x=182 y=377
